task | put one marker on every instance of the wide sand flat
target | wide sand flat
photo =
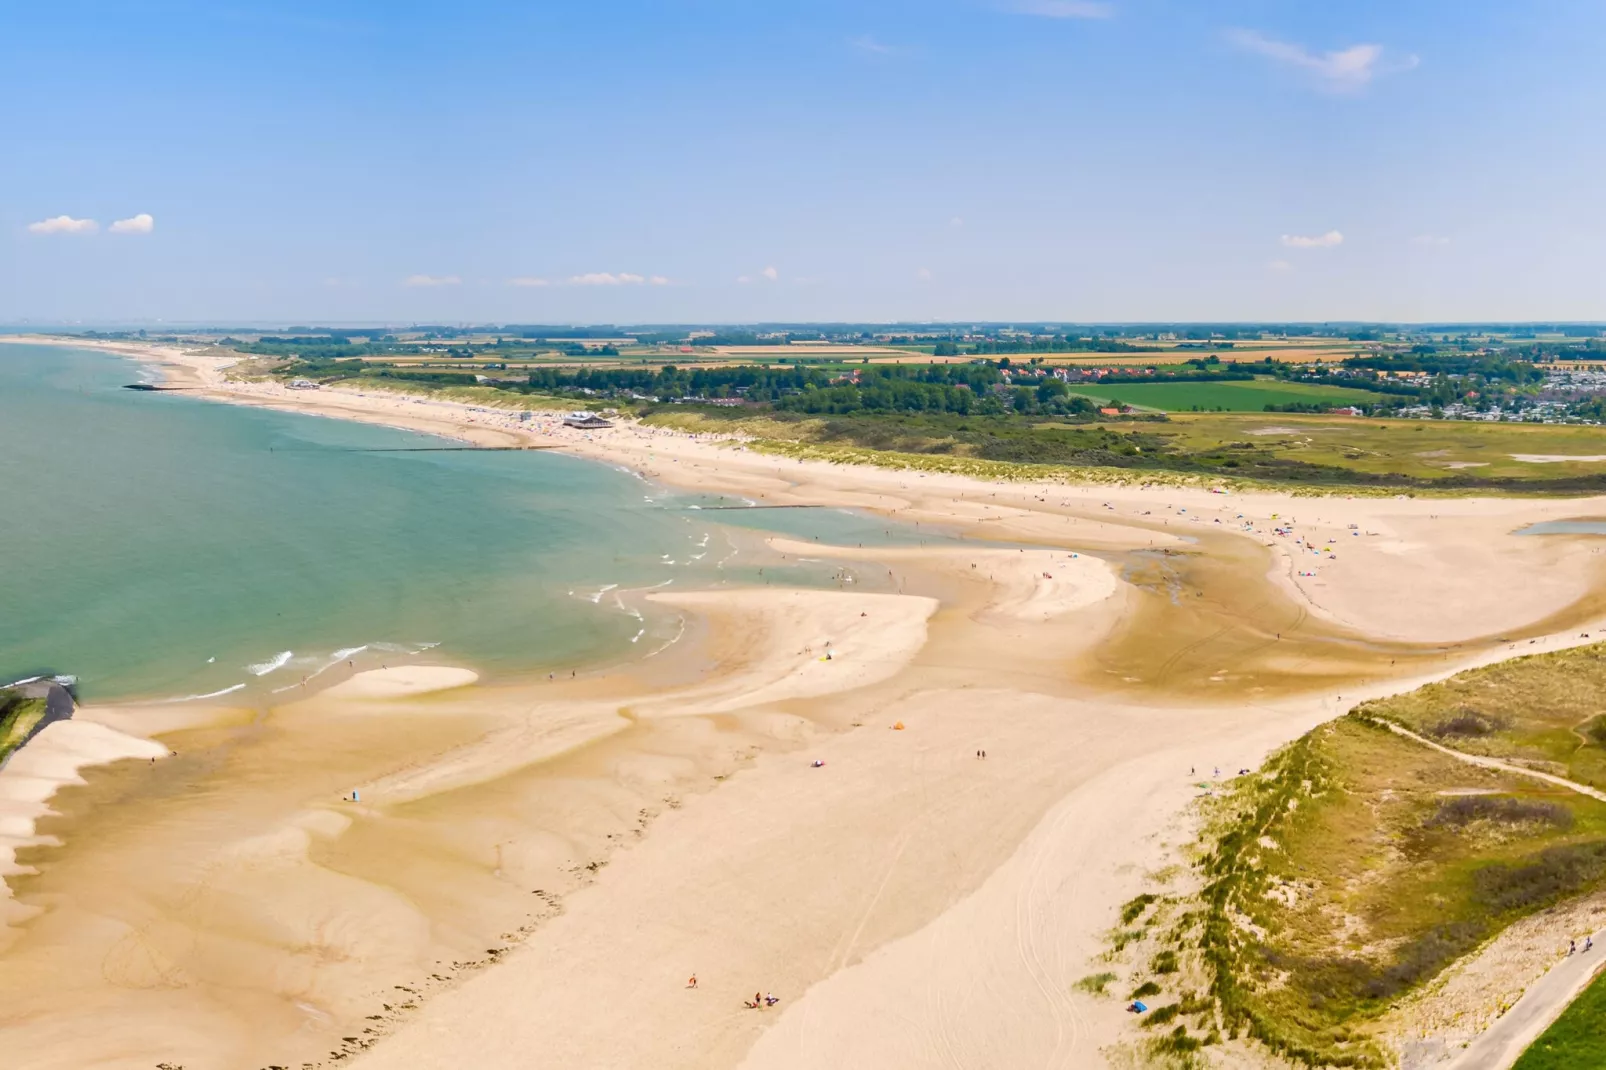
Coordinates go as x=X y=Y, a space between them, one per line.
x=911 y=903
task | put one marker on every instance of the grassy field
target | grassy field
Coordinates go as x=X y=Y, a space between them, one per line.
x=1544 y=712
x=1280 y=449
x=1575 y=1040
x=1352 y=868
x=1238 y=396
x=1415 y=449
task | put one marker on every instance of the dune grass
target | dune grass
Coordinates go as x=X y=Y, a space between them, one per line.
x=1290 y=452
x=1350 y=870
x=1543 y=711
x=469 y=394
x=18 y=716
x=1575 y=1040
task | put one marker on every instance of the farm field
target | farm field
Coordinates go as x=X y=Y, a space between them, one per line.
x=1241 y=396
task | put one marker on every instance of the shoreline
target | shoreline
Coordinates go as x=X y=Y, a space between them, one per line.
x=840 y=886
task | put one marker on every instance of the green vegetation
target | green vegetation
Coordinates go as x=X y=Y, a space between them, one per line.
x=1255 y=395
x=1543 y=712
x=1010 y=411
x=1576 y=1039
x=18 y=716
x=1353 y=869
x=1357 y=864
x=1095 y=983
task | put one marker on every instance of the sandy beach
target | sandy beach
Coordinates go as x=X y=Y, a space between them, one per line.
x=414 y=868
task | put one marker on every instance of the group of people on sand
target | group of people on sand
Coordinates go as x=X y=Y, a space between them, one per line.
x=759 y=1001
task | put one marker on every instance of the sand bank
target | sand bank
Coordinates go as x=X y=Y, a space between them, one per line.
x=52 y=760
x=402 y=680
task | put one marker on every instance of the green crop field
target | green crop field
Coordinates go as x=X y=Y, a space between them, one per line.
x=1577 y=1039
x=1236 y=396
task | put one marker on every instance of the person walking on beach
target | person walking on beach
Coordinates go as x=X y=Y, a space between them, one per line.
x=693 y=982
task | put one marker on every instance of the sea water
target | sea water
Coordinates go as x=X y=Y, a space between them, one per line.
x=157 y=545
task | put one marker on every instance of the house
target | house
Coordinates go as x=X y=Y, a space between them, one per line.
x=303 y=384
x=585 y=420
x=1107 y=411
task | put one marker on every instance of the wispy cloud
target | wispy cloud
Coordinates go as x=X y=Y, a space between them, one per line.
x=64 y=224
x=770 y=273
x=527 y=281
x=1344 y=70
x=923 y=274
x=659 y=280
x=606 y=278
x=1063 y=9
x=866 y=43
x=431 y=280
x=1280 y=265
x=1313 y=241
x=1430 y=239
x=138 y=224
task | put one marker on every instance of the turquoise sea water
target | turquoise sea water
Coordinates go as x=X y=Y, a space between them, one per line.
x=157 y=545
x=1566 y=527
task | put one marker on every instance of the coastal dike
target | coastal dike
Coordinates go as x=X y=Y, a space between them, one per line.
x=26 y=709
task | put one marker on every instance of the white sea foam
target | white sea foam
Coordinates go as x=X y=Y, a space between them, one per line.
x=597 y=598
x=209 y=694
x=278 y=661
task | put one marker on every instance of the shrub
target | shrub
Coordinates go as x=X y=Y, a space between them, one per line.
x=1465 y=809
x=1547 y=876
x=1467 y=723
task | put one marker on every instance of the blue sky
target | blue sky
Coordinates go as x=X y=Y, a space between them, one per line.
x=693 y=160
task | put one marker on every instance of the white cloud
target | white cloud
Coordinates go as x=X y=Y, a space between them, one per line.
x=924 y=274
x=139 y=224
x=743 y=279
x=956 y=222
x=770 y=273
x=631 y=279
x=431 y=280
x=1430 y=239
x=1064 y=9
x=527 y=281
x=659 y=280
x=606 y=278
x=1313 y=241
x=866 y=43
x=1344 y=70
x=1280 y=265
x=64 y=224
